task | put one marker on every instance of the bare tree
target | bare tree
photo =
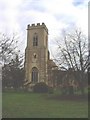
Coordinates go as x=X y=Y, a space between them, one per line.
x=8 y=46
x=12 y=61
x=73 y=53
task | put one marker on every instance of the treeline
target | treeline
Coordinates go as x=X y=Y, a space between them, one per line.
x=12 y=62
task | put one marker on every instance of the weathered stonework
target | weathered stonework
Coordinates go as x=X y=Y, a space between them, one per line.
x=36 y=54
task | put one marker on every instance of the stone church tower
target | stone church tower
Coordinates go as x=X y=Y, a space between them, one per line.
x=36 y=54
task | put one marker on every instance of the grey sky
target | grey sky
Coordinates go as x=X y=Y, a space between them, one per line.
x=56 y=14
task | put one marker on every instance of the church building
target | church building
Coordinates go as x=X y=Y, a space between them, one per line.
x=38 y=64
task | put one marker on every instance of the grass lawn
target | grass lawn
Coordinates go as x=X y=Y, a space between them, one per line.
x=33 y=105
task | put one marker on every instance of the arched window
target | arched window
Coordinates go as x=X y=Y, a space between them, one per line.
x=34 y=75
x=35 y=40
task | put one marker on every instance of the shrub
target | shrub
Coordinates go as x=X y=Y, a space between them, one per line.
x=40 y=88
x=64 y=90
x=51 y=90
x=71 y=90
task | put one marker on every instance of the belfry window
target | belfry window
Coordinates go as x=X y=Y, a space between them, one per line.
x=35 y=40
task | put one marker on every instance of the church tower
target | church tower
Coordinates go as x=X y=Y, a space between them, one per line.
x=36 y=54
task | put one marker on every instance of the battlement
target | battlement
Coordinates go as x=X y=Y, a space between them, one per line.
x=38 y=25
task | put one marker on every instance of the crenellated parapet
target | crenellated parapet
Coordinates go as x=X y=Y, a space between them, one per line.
x=35 y=26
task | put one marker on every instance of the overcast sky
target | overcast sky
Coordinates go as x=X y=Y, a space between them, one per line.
x=15 y=15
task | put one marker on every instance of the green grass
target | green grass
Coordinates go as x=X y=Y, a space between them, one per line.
x=32 y=105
